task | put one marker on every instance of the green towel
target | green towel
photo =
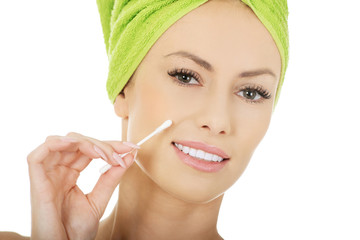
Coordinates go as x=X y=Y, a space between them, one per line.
x=131 y=27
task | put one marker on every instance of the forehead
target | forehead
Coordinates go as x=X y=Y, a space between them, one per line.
x=225 y=32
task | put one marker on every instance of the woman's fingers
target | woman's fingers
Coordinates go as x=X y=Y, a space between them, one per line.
x=122 y=147
x=54 y=168
x=101 y=194
x=75 y=151
x=72 y=146
x=107 y=150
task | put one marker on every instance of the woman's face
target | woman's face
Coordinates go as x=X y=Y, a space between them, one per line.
x=227 y=103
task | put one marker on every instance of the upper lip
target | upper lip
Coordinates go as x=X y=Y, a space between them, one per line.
x=205 y=147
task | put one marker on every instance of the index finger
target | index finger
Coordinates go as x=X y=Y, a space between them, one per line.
x=122 y=146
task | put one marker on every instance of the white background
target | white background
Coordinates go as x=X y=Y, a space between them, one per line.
x=304 y=179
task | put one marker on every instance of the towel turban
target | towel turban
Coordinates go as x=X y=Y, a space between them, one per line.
x=131 y=27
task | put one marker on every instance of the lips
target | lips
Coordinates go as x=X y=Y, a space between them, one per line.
x=205 y=147
x=198 y=163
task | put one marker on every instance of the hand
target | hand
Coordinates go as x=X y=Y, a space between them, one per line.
x=60 y=210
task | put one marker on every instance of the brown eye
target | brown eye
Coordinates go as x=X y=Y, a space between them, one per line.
x=184 y=78
x=254 y=94
x=250 y=94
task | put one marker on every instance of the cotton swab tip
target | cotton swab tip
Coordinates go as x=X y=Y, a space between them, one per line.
x=166 y=124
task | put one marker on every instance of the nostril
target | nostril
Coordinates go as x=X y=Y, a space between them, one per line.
x=207 y=127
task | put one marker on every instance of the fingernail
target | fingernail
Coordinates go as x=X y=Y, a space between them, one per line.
x=131 y=145
x=135 y=155
x=124 y=154
x=119 y=160
x=133 y=158
x=100 y=152
x=69 y=139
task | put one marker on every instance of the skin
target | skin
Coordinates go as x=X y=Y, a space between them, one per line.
x=170 y=196
x=159 y=196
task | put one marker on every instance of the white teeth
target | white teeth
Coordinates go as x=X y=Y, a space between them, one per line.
x=192 y=152
x=179 y=146
x=186 y=149
x=199 y=153
x=208 y=156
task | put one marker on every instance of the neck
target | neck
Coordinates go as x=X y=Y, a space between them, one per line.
x=145 y=211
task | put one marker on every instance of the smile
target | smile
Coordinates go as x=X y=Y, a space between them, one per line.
x=199 y=153
x=201 y=156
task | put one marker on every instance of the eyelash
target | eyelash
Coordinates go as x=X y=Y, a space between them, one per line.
x=258 y=89
x=183 y=72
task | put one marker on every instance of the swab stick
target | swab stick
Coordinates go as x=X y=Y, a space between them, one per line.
x=162 y=127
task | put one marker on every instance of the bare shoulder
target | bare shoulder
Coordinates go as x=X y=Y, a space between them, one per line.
x=12 y=236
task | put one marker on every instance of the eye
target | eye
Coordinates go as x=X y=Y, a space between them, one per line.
x=250 y=94
x=185 y=76
x=254 y=94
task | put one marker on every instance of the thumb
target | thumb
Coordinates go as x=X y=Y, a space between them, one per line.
x=105 y=186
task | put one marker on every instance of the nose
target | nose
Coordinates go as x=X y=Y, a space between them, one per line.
x=215 y=116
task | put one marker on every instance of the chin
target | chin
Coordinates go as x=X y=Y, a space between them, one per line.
x=196 y=195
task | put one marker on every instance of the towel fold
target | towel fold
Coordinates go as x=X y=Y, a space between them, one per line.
x=131 y=27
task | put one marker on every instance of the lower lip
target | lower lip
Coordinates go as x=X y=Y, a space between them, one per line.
x=199 y=164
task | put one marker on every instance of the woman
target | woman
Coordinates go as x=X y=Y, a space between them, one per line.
x=216 y=73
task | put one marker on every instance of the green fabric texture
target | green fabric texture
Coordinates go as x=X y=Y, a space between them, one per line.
x=131 y=27
x=274 y=15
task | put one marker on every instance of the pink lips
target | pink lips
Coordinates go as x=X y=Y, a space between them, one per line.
x=205 y=147
x=199 y=164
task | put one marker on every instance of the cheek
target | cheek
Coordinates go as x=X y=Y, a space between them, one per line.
x=250 y=130
x=164 y=100
x=255 y=128
x=151 y=104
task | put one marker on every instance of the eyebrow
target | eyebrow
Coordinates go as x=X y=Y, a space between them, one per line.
x=210 y=68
